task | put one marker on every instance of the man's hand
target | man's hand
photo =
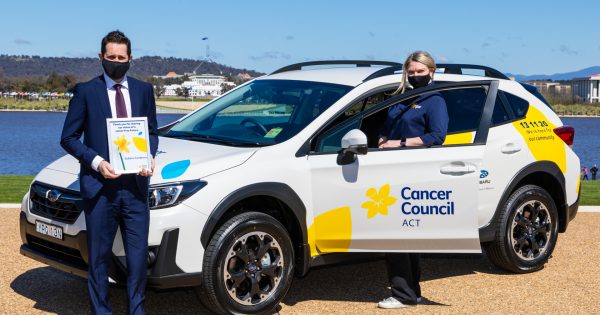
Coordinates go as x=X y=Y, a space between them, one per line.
x=107 y=170
x=147 y=173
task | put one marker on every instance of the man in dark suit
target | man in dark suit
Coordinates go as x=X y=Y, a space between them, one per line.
x=112 y=200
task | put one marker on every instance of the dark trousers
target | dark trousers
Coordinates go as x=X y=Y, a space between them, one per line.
x=118 y=204
x=404 y=272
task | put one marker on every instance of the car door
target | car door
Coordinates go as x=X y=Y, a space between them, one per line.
x=404 y=199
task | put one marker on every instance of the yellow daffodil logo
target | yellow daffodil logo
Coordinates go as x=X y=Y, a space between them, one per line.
x=380 y=201
x=122 y=144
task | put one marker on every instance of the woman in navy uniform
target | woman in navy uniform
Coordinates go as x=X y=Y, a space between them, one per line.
x=421 y=122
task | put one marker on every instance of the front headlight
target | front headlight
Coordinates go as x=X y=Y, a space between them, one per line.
x=171 y=194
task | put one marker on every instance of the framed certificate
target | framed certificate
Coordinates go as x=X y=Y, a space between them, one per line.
x=128 y=144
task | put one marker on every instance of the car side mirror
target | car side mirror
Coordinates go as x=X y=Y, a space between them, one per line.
x=353 y=143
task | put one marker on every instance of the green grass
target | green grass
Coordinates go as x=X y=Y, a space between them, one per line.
x=577 y=109
x=590 y=193
x=183 y=99
x=14 y=187
x=14 y=104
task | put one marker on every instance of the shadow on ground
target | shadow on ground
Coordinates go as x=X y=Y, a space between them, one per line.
x=366 y=280
x=360 y=281
x=62 y=293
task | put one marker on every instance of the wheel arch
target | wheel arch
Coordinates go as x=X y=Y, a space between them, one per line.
x=544 y=174
x=281 y=202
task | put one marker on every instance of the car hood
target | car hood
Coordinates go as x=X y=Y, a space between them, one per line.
x=179 y=160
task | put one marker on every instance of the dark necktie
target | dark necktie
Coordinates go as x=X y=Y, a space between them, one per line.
x=120 y=102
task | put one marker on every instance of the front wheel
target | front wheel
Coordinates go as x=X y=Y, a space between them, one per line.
x=248 y=265
x=526 y=231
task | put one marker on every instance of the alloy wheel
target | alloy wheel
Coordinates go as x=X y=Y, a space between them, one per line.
x=253 y=268
x=531 y=230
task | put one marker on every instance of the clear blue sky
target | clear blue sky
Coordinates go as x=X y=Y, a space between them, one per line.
x=523 y=37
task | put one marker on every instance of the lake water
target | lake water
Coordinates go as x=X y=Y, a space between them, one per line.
x=30 y=140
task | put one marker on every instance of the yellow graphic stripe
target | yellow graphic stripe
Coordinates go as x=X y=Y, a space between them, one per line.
x=539 y=135
x=331 y=232
x=459 y=138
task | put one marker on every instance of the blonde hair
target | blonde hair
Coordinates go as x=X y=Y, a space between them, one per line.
x=418 y=56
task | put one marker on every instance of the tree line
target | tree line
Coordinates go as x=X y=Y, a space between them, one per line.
x=24 y=66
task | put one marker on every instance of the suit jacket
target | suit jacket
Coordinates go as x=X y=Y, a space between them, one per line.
x=88 y=110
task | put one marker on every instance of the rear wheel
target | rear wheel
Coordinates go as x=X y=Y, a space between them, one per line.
x=527 y=231
x=248 y=265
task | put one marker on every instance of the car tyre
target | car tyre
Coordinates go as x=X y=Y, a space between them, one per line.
x=248 y=266
x=526 y=231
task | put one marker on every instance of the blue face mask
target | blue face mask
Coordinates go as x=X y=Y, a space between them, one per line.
x=419 y=81
x=115 y=70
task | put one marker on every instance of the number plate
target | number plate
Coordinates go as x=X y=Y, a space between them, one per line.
x=49 y=229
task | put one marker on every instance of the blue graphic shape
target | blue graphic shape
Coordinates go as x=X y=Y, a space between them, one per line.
x=175 y=169
x=483 y=174
x=139 y=133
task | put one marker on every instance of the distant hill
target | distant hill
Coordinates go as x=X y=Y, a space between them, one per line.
x=558 y=76
x=84 y=68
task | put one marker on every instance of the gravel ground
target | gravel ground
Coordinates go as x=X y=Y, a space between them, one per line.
x=452 y=284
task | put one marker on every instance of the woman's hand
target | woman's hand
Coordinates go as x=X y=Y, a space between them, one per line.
x=381 y=141
x=410 y=142
x=390 y=144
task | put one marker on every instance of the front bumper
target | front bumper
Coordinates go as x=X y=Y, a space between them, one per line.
x=70 y=255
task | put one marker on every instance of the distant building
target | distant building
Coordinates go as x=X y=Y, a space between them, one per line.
x=208 y=79
x=244 y=75
x=171 y=90
x=199 y=85
x=170 y=75
x=586 y=89
x=552 y=88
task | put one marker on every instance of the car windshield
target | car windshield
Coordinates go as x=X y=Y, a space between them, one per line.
x=263 y=112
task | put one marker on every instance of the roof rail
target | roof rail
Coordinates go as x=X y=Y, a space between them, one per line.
x=448 y=68
x=458 y=68
x=358 y=63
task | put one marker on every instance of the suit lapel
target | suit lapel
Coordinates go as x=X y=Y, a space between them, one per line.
x=134 y=97
x=103 y=97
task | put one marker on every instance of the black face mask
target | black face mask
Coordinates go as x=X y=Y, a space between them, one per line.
x=419 y=81
x=115 y=70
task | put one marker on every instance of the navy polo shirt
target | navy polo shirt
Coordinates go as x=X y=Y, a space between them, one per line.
x=427 y=118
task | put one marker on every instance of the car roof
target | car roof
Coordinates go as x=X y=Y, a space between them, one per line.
x=351 y=76
x=333 y=72
x=355 y=76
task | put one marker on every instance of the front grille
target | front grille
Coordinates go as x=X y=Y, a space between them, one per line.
x=61 y=252
x=66 y=209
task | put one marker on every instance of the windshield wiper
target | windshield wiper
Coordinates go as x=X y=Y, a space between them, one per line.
x=207 y=138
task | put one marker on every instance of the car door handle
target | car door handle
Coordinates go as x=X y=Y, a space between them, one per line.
x=457 y=168
x=510 y=148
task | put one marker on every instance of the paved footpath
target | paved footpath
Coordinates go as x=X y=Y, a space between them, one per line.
x=452 y=284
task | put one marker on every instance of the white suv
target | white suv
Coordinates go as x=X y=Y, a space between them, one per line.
x=283 y=173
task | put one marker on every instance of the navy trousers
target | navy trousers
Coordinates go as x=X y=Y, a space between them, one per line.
x=118 y=204
x=404 y=272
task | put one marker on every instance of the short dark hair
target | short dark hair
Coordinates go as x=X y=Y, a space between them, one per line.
x=115 y=37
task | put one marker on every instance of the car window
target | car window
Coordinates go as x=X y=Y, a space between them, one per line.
x=326 y=141
x=518 y=105
x=330 y=142
x=500 y=114
x=465 y=106
x=263 y=112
